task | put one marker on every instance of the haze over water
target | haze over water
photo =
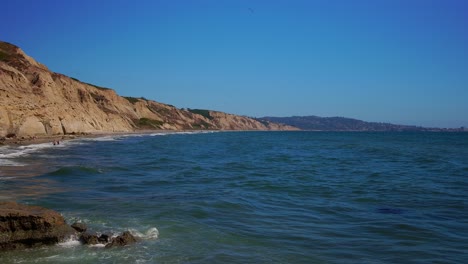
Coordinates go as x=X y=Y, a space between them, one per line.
x=251 y=197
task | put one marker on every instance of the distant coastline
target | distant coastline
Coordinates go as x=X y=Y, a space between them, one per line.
x=315 y=123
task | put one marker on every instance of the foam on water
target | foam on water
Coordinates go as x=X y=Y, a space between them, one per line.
x=7 y=162
x=182 y=133
x=99 y=245
x=72 y=241
x=104 y=138
x=152 y=233
x=8 y=153
x=158 y=134
x=13 y=152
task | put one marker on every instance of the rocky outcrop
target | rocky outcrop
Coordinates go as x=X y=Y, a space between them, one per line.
x=35 y=101
x=108 y=241
x=24 y=226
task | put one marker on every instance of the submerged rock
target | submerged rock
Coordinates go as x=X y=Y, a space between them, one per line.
x=25 y=226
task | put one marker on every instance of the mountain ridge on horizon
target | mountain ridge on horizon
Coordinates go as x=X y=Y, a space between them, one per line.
x=317 y=123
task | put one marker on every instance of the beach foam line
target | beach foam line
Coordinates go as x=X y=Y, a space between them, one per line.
x=195 y=132
x=14 y=152
x=104 y=138
x=158 y=134
x=9 y=153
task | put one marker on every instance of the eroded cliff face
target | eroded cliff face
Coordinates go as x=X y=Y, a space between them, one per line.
x=35 y=101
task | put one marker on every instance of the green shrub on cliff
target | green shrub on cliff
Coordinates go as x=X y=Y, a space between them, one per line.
x=132 y=100
x=202 y=112
x=6 y=51
x=146 y=122
x=3 y=56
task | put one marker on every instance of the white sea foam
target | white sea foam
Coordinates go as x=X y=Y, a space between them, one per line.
x=14 y=152
x=72 y=241
x=188 y=132
x=158 y=134
x=197 y=132
x=97 y=245
x=104 y=138
x=111 y=137
x=151 y=233
x=8 y=153
x=7 y=162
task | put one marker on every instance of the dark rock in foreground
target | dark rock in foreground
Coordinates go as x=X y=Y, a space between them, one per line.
x=25 y=226
x=92 y=239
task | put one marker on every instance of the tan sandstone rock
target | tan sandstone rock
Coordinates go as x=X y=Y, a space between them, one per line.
x=24 y=226
x=35 y=101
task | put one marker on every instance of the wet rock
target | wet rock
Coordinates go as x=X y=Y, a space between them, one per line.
x=104 y=239
x=89 y=239
x=25 y=226
x=79 y=227
x=122 y=240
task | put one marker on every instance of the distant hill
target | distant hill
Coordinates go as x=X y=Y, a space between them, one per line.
x=344 y=124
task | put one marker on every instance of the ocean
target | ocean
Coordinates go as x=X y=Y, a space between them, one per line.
x=251 y=197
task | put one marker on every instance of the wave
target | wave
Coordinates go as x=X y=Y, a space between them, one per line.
x=8 y=153
x=7 y=162
x=152 y=233
x=103 y=138
x=14 y=152
x=158 y=134
x=181 y=133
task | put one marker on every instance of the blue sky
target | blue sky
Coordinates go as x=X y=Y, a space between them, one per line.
x=399 y=61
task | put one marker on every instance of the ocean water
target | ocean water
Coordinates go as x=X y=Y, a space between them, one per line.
x=251 y=197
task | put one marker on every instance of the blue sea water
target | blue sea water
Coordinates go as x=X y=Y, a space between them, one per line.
x=251 y=197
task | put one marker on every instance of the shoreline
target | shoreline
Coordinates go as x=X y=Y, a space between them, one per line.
x=41 y=139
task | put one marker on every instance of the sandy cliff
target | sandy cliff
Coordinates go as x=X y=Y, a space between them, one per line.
x=36 y=101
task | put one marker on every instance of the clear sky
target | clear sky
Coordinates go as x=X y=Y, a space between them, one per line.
x=399 y=61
